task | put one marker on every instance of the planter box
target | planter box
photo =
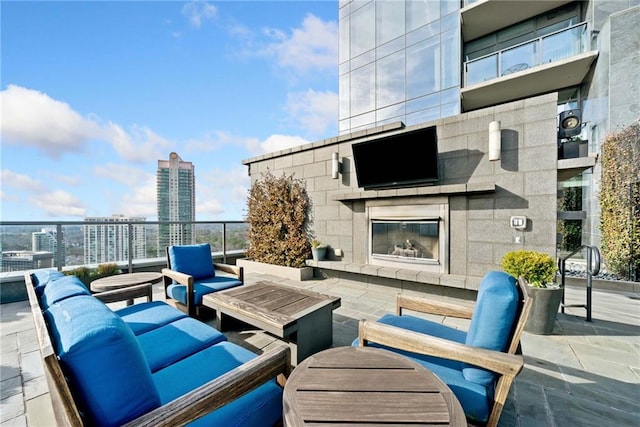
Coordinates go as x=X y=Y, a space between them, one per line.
x=299 y=274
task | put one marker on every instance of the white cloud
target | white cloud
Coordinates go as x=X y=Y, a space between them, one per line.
x=309 y=48
x=141 y=199
x=211 y=142
x=124 y=174
x=58 y=203
x=138 y=145
x=313 y=111
x=277 y=142
x=11 y=179
x=218 y=190
x=35 y=119
x=198 y=11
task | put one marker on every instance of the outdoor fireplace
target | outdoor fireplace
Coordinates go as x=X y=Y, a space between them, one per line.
x=411 y=237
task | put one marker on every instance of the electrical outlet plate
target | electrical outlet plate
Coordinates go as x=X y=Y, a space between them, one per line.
x=518 y=222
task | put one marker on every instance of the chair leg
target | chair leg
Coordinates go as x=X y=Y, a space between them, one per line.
x=500 y=397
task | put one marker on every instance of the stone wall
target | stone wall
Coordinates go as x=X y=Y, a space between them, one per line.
x=482 y=194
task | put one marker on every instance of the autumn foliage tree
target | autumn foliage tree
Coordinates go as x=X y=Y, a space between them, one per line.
x=278 y=213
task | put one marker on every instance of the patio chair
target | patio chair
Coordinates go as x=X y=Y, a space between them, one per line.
x=479 y=365
x=191 y=274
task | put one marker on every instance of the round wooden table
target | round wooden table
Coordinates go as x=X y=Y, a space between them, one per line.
x=367 y=385
x=120 y=281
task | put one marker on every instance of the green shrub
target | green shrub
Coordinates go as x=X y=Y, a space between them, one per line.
x=89 y=273
x=81 y=272
x=110 y=268
x=278 y=213
x=620 y=201
x=537 y=268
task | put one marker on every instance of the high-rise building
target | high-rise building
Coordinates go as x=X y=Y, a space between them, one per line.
x=108 y=239
x=46 y=240
x=421 y=60
x=176 y=202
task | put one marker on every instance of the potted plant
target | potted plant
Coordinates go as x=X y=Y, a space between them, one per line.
x=318 y=250
x=538 y=271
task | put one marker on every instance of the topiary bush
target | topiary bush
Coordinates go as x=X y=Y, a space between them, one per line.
x=537 y=268
x=278 y=213
x=620 y=202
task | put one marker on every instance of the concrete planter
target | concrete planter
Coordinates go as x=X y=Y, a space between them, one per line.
x=546 y=302
x=292 y=273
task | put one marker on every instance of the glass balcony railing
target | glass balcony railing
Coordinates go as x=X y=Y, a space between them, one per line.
x=66 y=244
x=542 y=50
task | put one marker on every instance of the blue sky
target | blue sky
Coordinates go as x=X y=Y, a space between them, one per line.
x=94 y=93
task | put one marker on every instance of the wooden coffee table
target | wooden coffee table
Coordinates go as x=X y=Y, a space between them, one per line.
x=302 y=318
x=367 y=386
x=127 y=280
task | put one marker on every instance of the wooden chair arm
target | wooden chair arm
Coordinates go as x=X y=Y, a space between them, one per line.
x=182 y=278
x=131 y=292
x=403 y=339
x=236 y=270
x=433 y=306
x=218 y=392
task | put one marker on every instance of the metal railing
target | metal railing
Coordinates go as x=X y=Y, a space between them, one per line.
x=220 y=249
x=542 y=50
x=593 y=268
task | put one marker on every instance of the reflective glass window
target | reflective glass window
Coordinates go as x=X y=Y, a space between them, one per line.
x=343 y=37
x=390 y=79
x=450 y=59
x=362 y=29
x=363 y=85
x=389 y=20
x=423 y=68
x=421 y=12
x=344 y=95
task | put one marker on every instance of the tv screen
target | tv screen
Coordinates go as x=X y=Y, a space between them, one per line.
x=406 y=159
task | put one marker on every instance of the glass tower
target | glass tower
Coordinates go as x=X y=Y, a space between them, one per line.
x=176 y=202
x=399 y=61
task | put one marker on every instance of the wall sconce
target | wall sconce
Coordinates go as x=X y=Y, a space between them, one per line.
x=495 y=140
x=335 y=165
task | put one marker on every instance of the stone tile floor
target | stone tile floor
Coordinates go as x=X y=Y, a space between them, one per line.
x=584 y=374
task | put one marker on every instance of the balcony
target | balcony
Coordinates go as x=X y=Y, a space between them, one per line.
x=482 y=17
x=541 y=65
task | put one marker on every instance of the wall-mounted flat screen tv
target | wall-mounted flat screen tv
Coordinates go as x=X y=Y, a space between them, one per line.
x=401 y=160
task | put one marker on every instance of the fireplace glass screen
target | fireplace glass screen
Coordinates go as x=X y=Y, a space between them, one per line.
x=413 y=241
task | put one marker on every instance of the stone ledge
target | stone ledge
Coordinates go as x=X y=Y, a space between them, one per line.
x=448 y=280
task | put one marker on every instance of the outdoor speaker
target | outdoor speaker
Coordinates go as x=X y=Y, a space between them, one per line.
x=570 y=123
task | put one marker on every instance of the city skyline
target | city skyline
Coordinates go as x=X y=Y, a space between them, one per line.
x=94 y=93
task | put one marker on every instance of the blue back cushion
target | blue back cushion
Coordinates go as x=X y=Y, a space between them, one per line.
x=57 y=290
x=194 y=260
x=492 y=320
x=40 y=278
x=102 y=359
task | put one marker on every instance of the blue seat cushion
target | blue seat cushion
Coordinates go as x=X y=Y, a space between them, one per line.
x=147 y=316
x=40 y=278
x=424 y=326
x=202 y=287
x=475 y=398
x=493 y=320
x=102 y=361
x=62 y=288
x=261 y=407
x=194 y=260
x=175 y=341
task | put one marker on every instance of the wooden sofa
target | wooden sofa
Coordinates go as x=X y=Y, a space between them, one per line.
x=148 y=364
